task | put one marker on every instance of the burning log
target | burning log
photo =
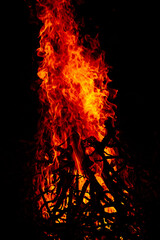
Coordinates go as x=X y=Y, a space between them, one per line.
x=102 y=206
x=81 y=183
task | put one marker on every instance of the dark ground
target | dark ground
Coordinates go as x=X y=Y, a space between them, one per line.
x=129 y=35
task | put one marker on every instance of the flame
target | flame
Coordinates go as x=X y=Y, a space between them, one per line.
x=74 y=95
x=74 y=81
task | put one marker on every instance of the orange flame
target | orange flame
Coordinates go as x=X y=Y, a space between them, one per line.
x=74 y=81
x=74 y=90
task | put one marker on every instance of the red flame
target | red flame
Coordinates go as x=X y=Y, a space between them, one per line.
x=74 y=93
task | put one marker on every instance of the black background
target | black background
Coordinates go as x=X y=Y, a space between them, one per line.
x=128 y=33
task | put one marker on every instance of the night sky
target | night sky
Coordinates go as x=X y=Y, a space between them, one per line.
x=129 y=36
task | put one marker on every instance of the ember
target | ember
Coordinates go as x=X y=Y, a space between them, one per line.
x=81 y=182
